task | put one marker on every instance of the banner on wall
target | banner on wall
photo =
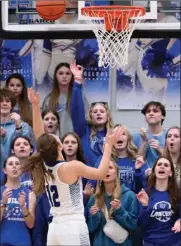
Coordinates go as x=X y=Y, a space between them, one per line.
x=49 y=53
x=152 y=73
x=16 y=57
x=36 y=60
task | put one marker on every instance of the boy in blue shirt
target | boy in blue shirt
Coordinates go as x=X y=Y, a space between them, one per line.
x=151 y=142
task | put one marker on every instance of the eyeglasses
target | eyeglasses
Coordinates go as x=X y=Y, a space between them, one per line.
x=104 y=103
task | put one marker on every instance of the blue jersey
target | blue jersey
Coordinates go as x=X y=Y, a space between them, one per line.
x=13 y=228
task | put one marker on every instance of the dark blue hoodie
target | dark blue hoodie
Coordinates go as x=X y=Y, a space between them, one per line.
x=92 y=148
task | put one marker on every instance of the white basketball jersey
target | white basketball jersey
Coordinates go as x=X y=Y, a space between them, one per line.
x=64 y=199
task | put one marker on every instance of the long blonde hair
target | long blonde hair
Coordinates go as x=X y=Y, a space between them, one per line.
x=132 y=150
x=109 y=124
x=100 y=192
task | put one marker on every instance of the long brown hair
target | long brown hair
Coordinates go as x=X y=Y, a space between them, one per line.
x=24 y=105
x=55 y=93
x=79 y=154
x=166 y=151
x=5 y=163
x=100 y=192
x=172 y=185
x=47 y=151
x=47 y=111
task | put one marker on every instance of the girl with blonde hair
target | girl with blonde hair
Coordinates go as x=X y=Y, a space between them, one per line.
x=126 y=156
x=62 y=181
x=119 y=201
x=92 y=131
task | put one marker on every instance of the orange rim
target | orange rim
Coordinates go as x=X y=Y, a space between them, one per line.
x=116 y=11
x=101 y=10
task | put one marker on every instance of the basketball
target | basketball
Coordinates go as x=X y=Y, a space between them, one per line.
x=51 y=10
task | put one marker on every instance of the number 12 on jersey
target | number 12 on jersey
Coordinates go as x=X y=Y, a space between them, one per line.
x=53 y=195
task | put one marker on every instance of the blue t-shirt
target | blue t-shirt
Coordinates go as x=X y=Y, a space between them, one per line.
x=13 y=228
x=151 y=154
x=127 y=171
x=158 y=218
x=126 y=167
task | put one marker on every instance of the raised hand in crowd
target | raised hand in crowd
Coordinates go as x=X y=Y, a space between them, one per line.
x=88 y=191
x=139 y=162
x=17 y=119
x=143 y=135
x=148 y=171
x=38 y=126
x=116 y=204
x=7 y=193
x=142 y=197
x=77 y=71
x=155 y=145
x=177 y=225
x=94 y=210
x=22 y=199
x=2 y=132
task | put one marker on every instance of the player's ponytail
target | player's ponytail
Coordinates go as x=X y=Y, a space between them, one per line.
x=47 y=151
x=39 y=173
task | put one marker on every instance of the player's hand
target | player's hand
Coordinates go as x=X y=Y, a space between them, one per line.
x=113 y=136
x=77 y=71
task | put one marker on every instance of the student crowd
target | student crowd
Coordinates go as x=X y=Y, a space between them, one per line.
x=141 y=191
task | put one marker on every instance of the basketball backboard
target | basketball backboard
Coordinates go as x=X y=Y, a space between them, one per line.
x=19 y=18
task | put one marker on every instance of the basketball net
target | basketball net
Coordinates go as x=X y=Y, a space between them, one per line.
x=113 y=33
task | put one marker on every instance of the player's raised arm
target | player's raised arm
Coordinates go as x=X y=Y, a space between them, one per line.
x=77 y=169
x=38 y=126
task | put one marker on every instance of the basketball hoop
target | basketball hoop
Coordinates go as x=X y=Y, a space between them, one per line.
x=113 y=28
